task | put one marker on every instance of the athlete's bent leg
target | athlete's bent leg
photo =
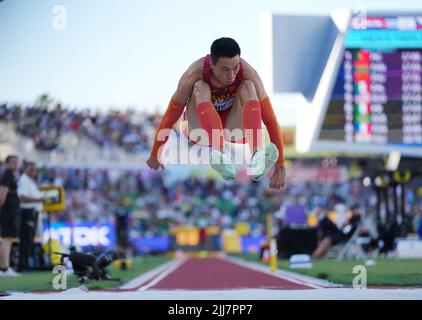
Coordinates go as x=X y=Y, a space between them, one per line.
x=251 y=117
x=262 y=159
x=208 y=117
x=211 y=122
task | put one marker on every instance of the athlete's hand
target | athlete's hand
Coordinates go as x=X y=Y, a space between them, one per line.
x=154 y=163
x=278 y=178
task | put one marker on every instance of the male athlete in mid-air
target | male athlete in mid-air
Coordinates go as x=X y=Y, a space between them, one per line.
x=222 y=91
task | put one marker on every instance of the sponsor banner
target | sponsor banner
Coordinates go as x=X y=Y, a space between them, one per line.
x=86 y=234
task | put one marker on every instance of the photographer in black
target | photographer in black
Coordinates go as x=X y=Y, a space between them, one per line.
x=9 y=213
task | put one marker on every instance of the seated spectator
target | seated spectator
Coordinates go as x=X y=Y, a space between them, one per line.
x=330 y=234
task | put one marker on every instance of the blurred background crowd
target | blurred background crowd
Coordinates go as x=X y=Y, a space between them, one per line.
x=46 y=124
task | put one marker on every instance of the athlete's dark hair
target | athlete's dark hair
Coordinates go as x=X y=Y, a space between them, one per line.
x=224 y=48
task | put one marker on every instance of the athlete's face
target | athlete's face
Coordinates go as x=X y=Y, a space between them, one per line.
x=226 y=69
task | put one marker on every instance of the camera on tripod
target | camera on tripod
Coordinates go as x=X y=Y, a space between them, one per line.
x=90 y=266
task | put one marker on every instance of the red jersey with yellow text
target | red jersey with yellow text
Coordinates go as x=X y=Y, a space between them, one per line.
x=221 y=98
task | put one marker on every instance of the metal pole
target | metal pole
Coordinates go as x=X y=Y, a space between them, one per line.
x=271 y=243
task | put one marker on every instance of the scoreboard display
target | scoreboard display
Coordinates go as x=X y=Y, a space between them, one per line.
x=377 y=96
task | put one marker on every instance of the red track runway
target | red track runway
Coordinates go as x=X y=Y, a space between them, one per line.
x=223 y=278
x=218 y=274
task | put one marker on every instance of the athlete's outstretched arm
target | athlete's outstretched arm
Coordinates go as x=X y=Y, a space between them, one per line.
x=174 y=111
x=278 y=178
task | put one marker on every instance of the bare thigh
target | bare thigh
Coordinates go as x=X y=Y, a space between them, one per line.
x=192 y=115
x=235 y=116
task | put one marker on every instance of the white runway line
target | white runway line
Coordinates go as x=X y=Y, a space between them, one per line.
x=288 y=276
x=148 y=276
x=241 y=294
x=164 y=274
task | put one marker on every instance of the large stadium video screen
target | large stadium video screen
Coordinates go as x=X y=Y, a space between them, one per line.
x=378 y=90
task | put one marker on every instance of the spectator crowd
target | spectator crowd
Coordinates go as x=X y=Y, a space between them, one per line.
x=129 y=130
x=158 y=202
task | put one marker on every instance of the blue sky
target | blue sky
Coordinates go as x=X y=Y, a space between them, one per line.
x=119 y=53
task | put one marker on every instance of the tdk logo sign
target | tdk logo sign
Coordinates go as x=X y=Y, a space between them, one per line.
x=83 y=234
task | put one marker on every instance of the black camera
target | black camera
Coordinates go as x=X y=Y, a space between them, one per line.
x=90 y=265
